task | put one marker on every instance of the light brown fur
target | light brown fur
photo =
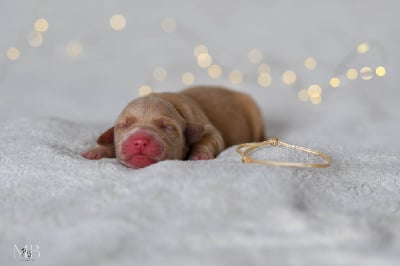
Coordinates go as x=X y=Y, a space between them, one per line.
x=197 y=123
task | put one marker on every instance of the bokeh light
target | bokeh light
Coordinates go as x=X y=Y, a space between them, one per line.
x=264 y=68
x=214 y=71
x=144 y=90
x=160 y=73
x=380 y=71
x=314 y=93
x=303 y=95
x=315 y=98
x=200 y=49
x=168 y=25
x=35 y=39
x=117 y=22
x=204 y=60
x=363 y=48
x=255 y=56
x=366 y=73
x=289 y=77
x=314 y=89
x=310 y=63
x=236 y=77
x=187 y=78
x=352 y=74
x=264 y=80
x=13 y=53
x=41 y=25
x=334 y=82
x=74 y=49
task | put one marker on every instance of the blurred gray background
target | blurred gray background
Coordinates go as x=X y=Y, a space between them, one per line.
x=84 y=70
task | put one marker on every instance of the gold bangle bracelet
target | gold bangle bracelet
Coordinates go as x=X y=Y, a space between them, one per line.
x=276 y=142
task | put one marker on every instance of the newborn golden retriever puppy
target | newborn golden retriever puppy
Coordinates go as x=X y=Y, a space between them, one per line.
x=196 y=124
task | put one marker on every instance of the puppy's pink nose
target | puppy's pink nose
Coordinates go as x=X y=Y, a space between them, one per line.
x=140 y=143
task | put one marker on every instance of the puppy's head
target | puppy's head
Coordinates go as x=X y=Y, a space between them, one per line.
x=150 y=129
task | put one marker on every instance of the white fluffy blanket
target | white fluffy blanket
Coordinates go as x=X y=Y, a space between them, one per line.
x=218 y=212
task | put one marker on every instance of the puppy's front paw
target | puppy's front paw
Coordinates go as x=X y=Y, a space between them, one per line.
x=201 y=156
x=95 y=153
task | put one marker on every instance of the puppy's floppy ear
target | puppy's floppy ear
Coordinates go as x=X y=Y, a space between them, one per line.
x=107 y=138
x=194 y=132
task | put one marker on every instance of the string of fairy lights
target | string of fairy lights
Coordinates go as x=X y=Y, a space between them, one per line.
x=204 y=60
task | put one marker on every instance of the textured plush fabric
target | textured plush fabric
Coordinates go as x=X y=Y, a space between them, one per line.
x=217 y=212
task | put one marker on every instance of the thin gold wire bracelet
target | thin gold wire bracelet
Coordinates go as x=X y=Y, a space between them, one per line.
x=245 y=153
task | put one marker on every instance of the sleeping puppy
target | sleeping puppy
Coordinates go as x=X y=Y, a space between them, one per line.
x=195 y=124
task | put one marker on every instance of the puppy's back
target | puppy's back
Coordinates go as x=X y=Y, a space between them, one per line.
x=234 y=114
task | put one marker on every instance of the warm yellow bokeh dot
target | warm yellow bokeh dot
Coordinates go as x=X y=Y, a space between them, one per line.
x=204 y=60
x=264 y=80
x=334 y=82
x=289 y=77
x=41 y=25
x=255 y=56
x=214 y=71
x=187 y=78
x=35 y=39
x=168 y=25
x=74 y=48
x=310 y=63
x=236 y=77
x=315 y=99
x=117 y=22
x=13 y=53
x=144 y=90
x=160 y=74
x=366 y=73
x=352 y=74
x=264 y=68
x=200 y=49
x=314 y=89
x=303 y=95
x=380 y=71
x=363 y=48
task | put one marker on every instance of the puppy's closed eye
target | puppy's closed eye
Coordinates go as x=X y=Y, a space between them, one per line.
x=167 y=127
x=125 y=123
x=164 y=125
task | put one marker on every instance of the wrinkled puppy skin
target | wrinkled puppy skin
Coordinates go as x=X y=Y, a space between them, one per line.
x=196 y=124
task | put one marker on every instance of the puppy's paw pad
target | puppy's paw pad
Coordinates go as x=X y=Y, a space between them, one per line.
x=201 y=156
x=93 y=154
